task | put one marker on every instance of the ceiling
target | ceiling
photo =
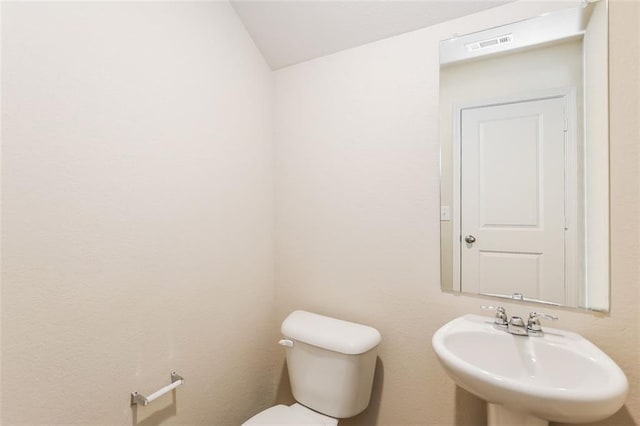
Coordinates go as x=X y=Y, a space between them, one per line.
x=292 y=31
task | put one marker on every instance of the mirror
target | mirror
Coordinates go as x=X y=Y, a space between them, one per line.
x=525 y=160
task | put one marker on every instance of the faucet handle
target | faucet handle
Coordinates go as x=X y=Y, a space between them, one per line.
x=501 y=318
x=492 y=308
x=541 y=315
x=533 y=325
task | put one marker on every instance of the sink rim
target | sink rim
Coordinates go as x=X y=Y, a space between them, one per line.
x=486 y=384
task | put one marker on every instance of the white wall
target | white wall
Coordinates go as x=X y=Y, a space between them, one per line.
x=357 y=211
x=137 y=214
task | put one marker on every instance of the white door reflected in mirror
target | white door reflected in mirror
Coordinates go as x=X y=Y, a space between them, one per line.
x=524 y=160
x=511 y=202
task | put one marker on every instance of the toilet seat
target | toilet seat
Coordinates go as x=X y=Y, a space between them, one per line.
x=295 y=414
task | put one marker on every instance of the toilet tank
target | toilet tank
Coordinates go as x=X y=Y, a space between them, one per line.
x=331 y=363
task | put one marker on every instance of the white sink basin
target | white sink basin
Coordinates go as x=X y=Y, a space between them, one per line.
x=559 y=377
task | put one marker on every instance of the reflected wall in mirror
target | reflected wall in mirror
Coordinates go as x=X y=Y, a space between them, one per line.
x=525 y=160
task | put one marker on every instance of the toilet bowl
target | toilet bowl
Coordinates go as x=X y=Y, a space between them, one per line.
x=295 y=414
x=331 y=364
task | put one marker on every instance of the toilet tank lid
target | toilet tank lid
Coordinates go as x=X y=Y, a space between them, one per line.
x=330 y=333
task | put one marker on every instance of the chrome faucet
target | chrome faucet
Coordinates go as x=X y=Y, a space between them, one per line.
x=501 y=320
x=516 y=325
x=533 y=325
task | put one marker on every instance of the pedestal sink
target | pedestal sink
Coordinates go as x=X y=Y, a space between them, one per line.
x=559 y=377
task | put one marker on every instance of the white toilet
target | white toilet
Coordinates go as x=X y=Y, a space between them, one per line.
x=331 y=365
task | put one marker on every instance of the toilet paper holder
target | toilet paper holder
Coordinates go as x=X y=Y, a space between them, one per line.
x=137 y=398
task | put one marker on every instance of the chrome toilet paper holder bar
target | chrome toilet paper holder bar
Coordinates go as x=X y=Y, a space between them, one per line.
x=137 y=398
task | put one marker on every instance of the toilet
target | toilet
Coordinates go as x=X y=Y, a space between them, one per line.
x=331 y=364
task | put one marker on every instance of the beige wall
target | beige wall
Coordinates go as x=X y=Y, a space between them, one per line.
x=137 y=214
x=137 y=221
x=357 y=219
